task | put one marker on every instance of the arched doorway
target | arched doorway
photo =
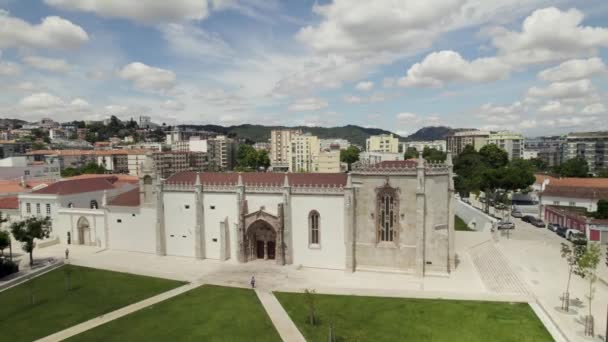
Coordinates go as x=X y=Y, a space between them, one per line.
x=84 y=231
x=262 y=240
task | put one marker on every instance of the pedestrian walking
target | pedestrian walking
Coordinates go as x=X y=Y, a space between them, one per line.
x=67 y=254
x=252 y=282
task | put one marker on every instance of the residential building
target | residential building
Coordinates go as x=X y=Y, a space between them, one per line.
x=265 y=146
x=549 y=148
x=23 y=166
x=81 y=133
x=574 y=192
x=311 y=220
x=382 y=143
x=47 y=123
x=591 y=146
x=221 y=150
x=280 y=148
x=57 y=133
x=511 y=142
x=304 y=153
x=328 y=162
x=530 y=154
x=194 y=144
x=144 y=121
x=169 y=163
x=334 y=144
x=571 y=218
x=10 y=148
x=185 y=134
x=456 y=142
x=439 y=145
x=151 y=146
x=370 y=158
x=115 y=161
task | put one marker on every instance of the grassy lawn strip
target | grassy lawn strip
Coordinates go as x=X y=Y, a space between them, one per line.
x=207 y=313
x=400 y=319
x=460 y=225
x=93 y=292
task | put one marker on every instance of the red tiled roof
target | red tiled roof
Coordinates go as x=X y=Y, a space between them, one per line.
x=575 y=191
x=580 y=182
x=263 y=178
x=14 y=186
x=87 y=152
x=76 y=186
x=126 y=199
x=9 y=203
x=541 y=178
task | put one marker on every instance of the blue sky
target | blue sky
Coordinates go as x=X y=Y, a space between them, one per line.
x=533 y=66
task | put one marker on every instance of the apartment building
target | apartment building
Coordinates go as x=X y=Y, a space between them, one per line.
x=382 y=143
x=304 y=153
x=439 y=145
x=511 y=142
x=548 y=149
x=334 y=144
x=456 y=142
x=280 y=148
x=592 y=146
x=169 y=163
x=222 y=152
x=18 y=167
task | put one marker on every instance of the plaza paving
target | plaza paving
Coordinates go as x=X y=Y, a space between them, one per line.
x=525 y=267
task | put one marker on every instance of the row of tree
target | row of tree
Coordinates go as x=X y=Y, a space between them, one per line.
x=250 y=159
x=90 y=168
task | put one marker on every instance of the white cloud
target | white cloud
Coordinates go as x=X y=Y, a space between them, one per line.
x=528 y=124
x=389 y=82
x=556 y=108
x=80 y=103
x=173 y=105
x=442 y=67
x=48 y=64
x=406 y=116
x=146 y=11
x=352 y=99
x=308 y=104
x=549 y=34
x=596 y=108
x=148 y=78
x=193 y=42
x=41 y=101
x=564 y=90
x=9 y=69
x=373 y=98
x=365 y=86
x=572 y=70
x=52 y=33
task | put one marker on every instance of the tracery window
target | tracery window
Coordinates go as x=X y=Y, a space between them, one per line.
x=313 y=226
x=387 y=210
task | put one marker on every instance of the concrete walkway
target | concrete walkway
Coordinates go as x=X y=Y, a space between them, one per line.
x=97 y=321
x=281 y=320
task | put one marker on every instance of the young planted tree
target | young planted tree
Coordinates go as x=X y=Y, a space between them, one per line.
x=5 y=241
x=310 y=302
x=28 y=230
x=571 y=254
x=587 y=269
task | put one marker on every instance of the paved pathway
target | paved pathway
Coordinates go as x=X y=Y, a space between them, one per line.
x=97 y=321
x=281 y=320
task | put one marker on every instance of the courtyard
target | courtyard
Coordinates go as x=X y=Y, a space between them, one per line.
x=70 y=295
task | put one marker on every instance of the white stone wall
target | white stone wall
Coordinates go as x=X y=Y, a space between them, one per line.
x=218 y=206
x=136 y=230
x=331 y=252
x=66 y=220
x=180 y=223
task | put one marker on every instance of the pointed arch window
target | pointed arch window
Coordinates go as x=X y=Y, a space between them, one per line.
x=387 y=211
x=314 y=236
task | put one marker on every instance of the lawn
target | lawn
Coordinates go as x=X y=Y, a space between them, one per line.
x=460 y=225
x=207 y=313
x=92 y=292
x=399 y=319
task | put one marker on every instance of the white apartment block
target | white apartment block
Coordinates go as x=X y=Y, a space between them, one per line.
x=334 y=144
x=511 y=142
x=382 y=143
x=440 y=145
x=304 y=153
x=280 y=147
x=370 y=158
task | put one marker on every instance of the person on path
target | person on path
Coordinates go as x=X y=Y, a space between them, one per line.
x=67 y=254
x=252 y=282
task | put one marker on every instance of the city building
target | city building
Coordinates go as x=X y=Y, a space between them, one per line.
x=304 y=153
x=456 y=142
x=328 y=162
x=571 y=218
x=221 y=150
x=280 y=148
x=397 y=217
x=185 y=134
x=169 y=163
x=382 y=143
x=530 y=154
x=333 y=144
x=511 y=142
x=369 y=158
x=591 y=146
x=583 y=193
x=27 y=167
x=10 y=148
x=194 y=144
x=549 y=148
x=439 y=145
x=262 y=146
x=144 y=121
x=57 y=133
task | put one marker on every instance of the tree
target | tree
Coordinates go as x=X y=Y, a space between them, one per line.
x=10 y=245
x=310 y=296
x=5 y=241
x=350 y=155
x=88 y=169
x=539 y=164
x=571 y=254
x=575 y=167
x=26 y=231
x=468 y=168
x=410 y=153
x=602 y=209
x=433 y=154
x=603 y=173
x=493 y=156
x=587 y=268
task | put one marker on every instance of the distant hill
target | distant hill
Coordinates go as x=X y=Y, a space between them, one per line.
x=433 y=133
x=258 y=133
x=11 y=122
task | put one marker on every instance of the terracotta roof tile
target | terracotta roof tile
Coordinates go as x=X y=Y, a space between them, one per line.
x=14 y=186
x=541 y=178
x=76 y=186
x=9 y=203
x=266 y=178
x=575 y=191
x=580 y=182
x=126 y=199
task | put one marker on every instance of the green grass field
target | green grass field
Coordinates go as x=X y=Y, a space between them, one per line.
x=460 y=225
x=92 y=292
x=207 y=313
x=399 y=319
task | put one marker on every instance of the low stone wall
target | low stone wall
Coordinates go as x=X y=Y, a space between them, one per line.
x=474 y=217
x=27 y=275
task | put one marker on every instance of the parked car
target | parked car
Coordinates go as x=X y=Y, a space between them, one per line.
x=528 y=218
x=517 y=213
x=466 y=200
x=538 y=223
x=578 y=238
x=561 y=231
x=553 y=227
x=500 y=206
x=505 y=225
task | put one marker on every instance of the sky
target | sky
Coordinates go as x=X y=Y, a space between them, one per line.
x=533 y=66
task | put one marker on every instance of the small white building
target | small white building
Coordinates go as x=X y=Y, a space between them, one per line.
x=439 y=145
x=369 y=158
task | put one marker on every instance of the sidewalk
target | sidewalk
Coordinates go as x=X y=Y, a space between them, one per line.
x=97 y=321
x=281 y=320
